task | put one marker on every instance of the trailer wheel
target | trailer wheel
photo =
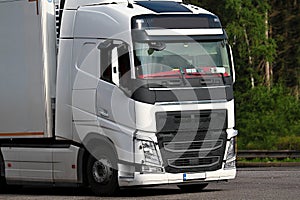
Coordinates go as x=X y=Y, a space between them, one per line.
x=102 y=172
x=3 y=184
x=192 y=187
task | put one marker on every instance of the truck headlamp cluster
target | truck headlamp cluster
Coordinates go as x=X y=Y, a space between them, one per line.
x=231 y=155
x=147 y=156
x=150 y=153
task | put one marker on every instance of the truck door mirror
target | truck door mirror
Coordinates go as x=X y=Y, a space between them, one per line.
x=231 y=62
x=115 y=66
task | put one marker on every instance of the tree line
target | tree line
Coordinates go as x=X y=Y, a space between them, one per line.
x=265 y=38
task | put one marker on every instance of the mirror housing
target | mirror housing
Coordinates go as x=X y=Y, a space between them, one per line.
x=157 y=46
x=231 y=62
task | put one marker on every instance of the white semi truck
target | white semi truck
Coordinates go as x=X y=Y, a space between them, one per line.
x=114 y=93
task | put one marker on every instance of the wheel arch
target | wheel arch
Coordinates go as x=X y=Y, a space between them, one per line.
x=91 y=142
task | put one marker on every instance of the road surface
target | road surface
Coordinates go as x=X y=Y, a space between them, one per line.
x=251 y=183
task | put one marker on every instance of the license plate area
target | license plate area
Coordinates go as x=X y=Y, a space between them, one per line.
x=191 y=176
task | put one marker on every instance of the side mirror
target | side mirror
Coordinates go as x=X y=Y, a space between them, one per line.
x=156 y=46
x=231 y=62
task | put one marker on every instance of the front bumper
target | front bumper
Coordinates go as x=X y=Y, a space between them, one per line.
x=226 y=171
x=168 y=178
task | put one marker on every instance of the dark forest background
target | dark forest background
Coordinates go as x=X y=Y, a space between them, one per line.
x=265 y=37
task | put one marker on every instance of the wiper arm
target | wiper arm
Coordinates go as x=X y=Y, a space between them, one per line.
x=182 y=76
x=223 y=78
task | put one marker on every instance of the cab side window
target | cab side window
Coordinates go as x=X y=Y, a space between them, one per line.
x=115 y=62
x=105 y=64
x=124 y=64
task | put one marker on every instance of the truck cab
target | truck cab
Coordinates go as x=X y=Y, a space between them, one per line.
x=143 y=95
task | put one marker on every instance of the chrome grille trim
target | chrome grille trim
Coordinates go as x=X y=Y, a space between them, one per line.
x=202 y=162
x=190 y=146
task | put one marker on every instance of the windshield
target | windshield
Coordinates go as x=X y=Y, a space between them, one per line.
x=183 y=59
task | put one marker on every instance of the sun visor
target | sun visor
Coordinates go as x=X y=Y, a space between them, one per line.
x=176 y=21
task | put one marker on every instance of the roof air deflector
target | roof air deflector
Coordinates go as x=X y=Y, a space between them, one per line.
x=163 y=6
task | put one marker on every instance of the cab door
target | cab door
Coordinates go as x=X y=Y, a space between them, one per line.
x=115 y=109
x=113 y=103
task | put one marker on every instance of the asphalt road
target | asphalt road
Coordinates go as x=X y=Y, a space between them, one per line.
x=251 y=183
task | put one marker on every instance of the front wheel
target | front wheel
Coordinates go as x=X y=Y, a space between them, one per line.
x=192 y=187
x=102 y=173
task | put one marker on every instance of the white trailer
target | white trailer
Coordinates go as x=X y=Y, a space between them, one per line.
x=114 y=93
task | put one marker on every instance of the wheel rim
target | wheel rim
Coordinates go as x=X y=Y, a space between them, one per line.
x=102 y=171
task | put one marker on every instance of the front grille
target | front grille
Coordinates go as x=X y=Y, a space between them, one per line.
x=191 y=120
x=207 y=145
x=193 y=162
x=188 y=151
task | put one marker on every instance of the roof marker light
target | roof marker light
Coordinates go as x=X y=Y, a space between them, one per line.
x=139 y=23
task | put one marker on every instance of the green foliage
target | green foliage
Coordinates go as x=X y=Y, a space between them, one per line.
x=264 y=117
x=291 y=142
x=267 y=118
x=247 y=30
x=285 y=21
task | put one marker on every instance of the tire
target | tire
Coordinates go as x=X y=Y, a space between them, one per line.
x=192 y=187
x=3 y=185
x=102 y=173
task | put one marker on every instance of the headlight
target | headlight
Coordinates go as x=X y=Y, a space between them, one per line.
x=231 y=154
x=150 y=153
x=231 y=149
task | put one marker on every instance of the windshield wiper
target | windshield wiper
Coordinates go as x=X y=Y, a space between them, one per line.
x=223 y=78
x=181 y=71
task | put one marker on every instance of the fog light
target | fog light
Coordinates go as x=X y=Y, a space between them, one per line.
x=230 y=165
x=151 y=169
